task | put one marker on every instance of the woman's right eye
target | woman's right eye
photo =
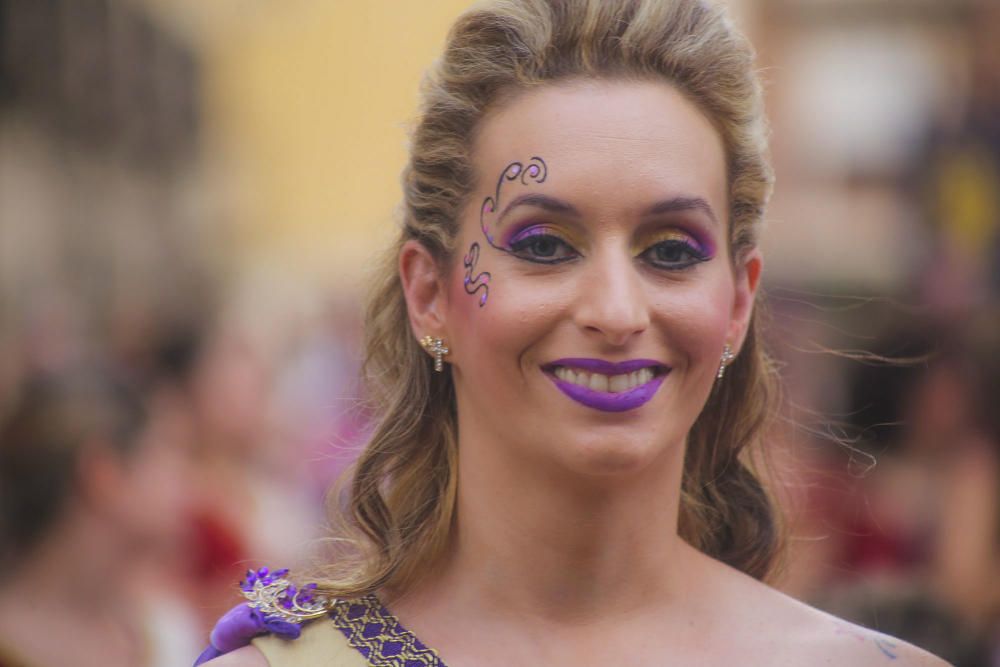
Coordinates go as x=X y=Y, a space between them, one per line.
x=542 y=248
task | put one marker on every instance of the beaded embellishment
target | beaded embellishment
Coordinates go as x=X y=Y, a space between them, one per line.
x=365 y=622
x=274 y=596
x=379 y=636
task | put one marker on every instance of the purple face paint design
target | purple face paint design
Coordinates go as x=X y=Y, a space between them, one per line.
x=534 y=171
x=480 y=281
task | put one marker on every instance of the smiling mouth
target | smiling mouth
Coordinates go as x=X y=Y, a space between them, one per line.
x=613 y=384
x=607 y=386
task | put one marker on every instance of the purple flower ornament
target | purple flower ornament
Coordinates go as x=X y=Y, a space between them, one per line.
x=274 y=606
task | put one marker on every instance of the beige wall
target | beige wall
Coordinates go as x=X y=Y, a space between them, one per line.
x=307 y=105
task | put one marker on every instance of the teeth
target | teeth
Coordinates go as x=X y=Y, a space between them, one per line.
x=619 y=383
x=600 y=382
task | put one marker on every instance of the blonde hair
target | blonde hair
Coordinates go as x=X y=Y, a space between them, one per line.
x=401 y=504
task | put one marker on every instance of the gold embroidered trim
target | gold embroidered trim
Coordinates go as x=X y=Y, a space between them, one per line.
x=379 y=636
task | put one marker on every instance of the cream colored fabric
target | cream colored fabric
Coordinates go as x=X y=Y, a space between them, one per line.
x=320 y=645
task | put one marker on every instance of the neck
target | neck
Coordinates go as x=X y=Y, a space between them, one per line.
x=551 y=545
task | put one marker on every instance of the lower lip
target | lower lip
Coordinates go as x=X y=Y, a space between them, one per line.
x=610 y=402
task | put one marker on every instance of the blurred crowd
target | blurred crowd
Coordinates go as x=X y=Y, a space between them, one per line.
x=137 y=485
x=165 y=426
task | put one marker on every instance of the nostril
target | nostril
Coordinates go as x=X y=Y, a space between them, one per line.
x=612 y=297
x=618 y=320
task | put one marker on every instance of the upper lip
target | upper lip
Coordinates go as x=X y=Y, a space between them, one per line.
x=605 y=367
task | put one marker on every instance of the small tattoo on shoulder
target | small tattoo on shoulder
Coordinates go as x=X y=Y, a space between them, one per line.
x=886 y=646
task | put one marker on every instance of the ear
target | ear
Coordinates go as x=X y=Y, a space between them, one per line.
x=424 y=290
x=747 y=279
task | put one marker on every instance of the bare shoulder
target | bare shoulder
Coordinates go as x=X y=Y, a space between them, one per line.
x=849 y=644
x=247 y=656
x=773 y=628
x=814 y=637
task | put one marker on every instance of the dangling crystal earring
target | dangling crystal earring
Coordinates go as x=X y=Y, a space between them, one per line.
x=727 y=358
x=436 y=347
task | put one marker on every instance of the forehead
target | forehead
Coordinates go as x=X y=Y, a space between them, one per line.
x=623 y=143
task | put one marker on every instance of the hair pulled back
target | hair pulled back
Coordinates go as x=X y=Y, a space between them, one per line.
x=401 y=503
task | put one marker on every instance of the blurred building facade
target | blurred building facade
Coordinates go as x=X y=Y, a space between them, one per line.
x=100 y=133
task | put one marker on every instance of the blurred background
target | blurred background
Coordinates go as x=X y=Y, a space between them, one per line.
x=191 y=195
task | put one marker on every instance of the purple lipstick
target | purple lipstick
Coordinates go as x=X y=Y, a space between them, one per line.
x=620 y=386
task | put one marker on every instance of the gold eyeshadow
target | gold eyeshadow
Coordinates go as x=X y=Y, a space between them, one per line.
x=646 y=240
x=530 y=229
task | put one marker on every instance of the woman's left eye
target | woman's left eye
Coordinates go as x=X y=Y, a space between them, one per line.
x=673 y=255
x=542 y=248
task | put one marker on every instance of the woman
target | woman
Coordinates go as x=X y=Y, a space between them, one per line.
x=565 y=481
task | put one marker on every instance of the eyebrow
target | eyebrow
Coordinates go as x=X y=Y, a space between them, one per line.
x=554 y=205
x=550 y=204
x=681 y=204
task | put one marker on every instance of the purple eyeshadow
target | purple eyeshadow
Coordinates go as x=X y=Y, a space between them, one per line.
x=701 y=243
x=525 y=233
x=704 y=249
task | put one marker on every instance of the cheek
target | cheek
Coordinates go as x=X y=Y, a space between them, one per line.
x=696 y=324
x=518 y=313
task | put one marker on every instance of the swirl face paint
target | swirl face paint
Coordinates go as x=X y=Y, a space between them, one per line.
x=480 y=281
x=535 y=171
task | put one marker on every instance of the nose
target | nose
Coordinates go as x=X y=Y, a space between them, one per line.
x=612 y=303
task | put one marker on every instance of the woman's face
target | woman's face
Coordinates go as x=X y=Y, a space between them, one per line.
x=593 y=292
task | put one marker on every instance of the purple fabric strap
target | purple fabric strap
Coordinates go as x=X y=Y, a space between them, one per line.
x=241 y=624
x=276 y=606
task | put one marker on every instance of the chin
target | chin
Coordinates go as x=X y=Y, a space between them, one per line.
x=611 y=457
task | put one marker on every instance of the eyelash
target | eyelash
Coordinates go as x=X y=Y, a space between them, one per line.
x=522 y=243
x=694 y=254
